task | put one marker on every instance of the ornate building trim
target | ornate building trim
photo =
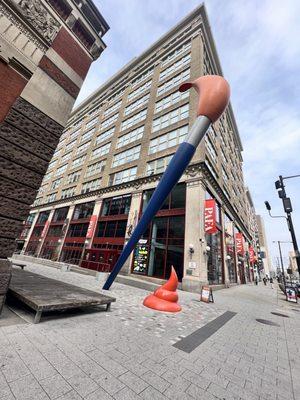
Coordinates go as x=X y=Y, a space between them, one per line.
x=16 y=21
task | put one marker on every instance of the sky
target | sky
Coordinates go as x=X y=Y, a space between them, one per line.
x=259 y=49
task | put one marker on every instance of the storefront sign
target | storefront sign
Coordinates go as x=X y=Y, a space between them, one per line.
x=92 y=226
x=206 y=294
x=251 y=255
x=239 y=243
x=291 y=295
x=45 y=229
x=210 y=226
x=140 y=258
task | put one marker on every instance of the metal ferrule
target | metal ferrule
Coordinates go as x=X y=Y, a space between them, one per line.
x=198 y=130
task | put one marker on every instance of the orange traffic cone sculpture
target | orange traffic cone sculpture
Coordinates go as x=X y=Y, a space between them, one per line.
x=165 y=298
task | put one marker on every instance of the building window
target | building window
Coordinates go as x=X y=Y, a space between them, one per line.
x=52 y=164
x=134 y=119
x=176 y=53
x=55 y=230
x=30 y=219
x=116 y=95
x=60 y=214
x=123 y=176
x=211 y=149
x=66 y=157
x=119 y=205
x=142 y=77
x=77 y=230
x=57 y=153
x=82 y=148
x=136 y=104
x=37 y=202
x=74 y=134
x=105 y=135
x=70 y=145
x=174 y=67
x=215 y=258
x=78 y=161
x=170 y=139
x=170 y=100
x=158 y=166
x=91 y=185
x=100 y=151
x=87 y=134
x=56 y=183
x=130 y=137
x=126 y=156
x=47 y=177
x=113 y=108
x=95 y=168
x=94 y=112
x=51 y=197
x=109 y=121
x=174 y=82
x=91 y=123
x=139 y=90
x=111 y=228
x=68 y=192
x=74 y=177
x=170 y=118
x=43 y=217
x=224 y=175
x=84 y=210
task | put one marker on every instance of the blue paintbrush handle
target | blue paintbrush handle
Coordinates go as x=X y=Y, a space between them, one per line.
x=175 y=169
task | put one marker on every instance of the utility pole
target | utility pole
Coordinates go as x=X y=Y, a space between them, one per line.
x=287 y=206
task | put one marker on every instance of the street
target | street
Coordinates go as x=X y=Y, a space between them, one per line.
x=128 y=353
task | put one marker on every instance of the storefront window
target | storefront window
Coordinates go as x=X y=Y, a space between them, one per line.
x=60 y=214
x=43 y=217
x=229 y=249
x=116 y=206
x=163 y=248
x=84 y=210
x=214 y=262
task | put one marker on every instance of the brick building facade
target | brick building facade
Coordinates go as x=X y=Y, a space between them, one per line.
x=47 y=47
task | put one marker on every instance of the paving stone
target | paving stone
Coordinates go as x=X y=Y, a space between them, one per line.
x=197 y=380
x=152 y=394
x=109 y=383
x=124 y=394
x=27 y=388
x=133 y=382
x=72 y=395
x=156 y=381
x=197 y=393
x=83 y=384
x=99 y=394
x=55 y=386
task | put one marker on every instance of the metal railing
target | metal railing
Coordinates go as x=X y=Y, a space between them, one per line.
x=92 y=265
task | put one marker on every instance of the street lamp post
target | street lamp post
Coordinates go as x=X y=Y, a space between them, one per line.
x=281 y=262
x=287 y=206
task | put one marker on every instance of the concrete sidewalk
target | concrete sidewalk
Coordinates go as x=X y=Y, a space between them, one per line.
x=128 y=353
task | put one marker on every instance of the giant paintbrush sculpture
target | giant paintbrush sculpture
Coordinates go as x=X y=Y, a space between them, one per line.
x=213 y=94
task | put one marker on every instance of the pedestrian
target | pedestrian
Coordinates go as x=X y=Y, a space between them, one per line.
x=271 y=282
x=256 y=280
x=265 y=281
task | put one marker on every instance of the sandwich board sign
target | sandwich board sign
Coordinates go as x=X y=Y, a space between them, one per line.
x=206 y=294
x=291 y=295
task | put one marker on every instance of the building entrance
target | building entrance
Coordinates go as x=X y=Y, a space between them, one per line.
x=102 y=260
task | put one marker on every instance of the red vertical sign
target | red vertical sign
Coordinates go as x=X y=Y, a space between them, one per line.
x=45 y=229
x=239 y=243
x=91 y=227
x=251 y=255
x=210 y=226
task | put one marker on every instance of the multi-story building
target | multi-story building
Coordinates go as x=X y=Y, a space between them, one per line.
x=293 y=264
x=116 y=146
x=47 y=47
x=264 y=251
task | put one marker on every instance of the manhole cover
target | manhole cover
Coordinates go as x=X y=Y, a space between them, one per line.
x=280 y=315
x=267 y=322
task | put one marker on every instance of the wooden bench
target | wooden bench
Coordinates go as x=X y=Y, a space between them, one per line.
x=43 y=294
